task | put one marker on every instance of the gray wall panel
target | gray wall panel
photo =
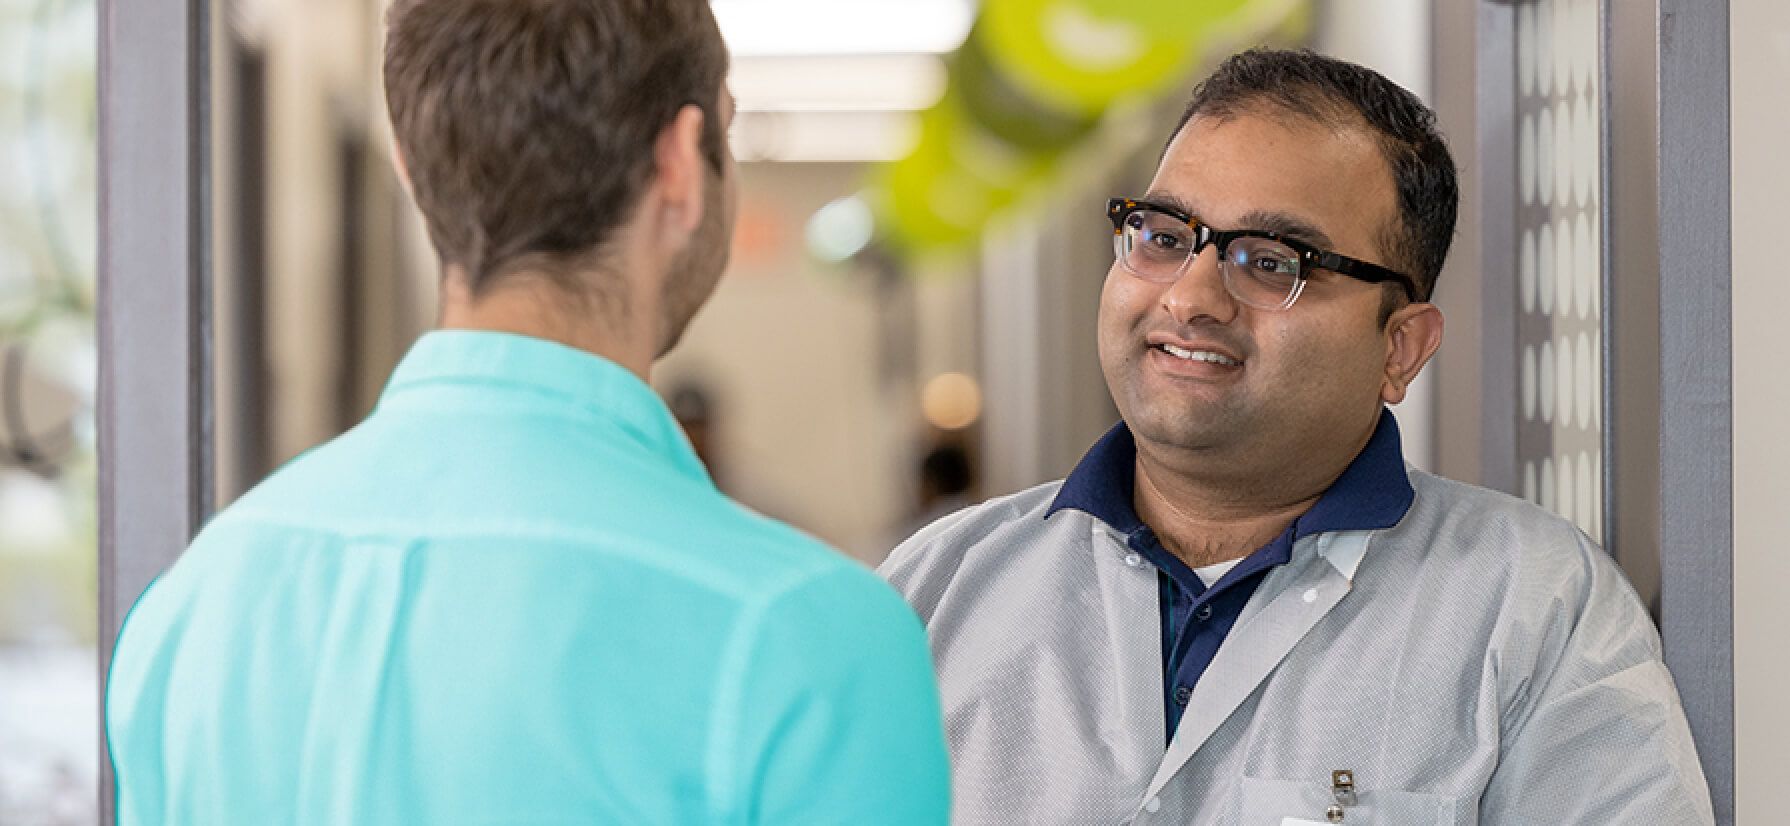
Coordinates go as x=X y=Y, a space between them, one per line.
x=1696 y=412
x=1459 y=365
x=1497 y=157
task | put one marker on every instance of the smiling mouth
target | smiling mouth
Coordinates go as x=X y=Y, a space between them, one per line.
x=1198 y=355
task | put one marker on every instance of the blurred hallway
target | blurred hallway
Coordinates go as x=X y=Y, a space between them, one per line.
x=918 y=262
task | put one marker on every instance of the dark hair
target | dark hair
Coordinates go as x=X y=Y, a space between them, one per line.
x=690 y=402
x=528 y=126
x=1342 y=94
x=946 y=469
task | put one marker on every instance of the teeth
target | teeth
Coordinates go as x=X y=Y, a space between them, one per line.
x=1198 y=355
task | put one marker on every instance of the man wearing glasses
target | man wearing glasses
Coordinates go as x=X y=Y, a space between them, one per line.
x=1242 y=607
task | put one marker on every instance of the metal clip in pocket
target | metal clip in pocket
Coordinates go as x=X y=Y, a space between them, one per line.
x=1342 y=790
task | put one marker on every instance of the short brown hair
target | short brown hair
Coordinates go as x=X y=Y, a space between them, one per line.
x=528 y=126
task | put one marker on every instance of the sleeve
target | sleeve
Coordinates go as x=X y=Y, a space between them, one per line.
x=839 y=716
x=1596 y=734
x=906 y=568
x=923 y=566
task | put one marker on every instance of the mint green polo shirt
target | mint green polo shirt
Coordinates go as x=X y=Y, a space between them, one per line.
x=513 y=595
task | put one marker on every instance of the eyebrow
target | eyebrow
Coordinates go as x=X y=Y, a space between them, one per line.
x=1169 y=199
x=1281 y=223
x=1291 y=226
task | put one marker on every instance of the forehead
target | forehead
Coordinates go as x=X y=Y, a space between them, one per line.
x=1233 y=170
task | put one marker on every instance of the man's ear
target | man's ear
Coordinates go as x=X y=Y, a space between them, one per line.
x=678 y=169
x=1412 y=335
x=402 y=167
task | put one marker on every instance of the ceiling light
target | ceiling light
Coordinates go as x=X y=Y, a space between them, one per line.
x=854 y=83
x=755 y=28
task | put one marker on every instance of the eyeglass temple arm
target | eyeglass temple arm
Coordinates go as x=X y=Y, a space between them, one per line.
x=1364 y=271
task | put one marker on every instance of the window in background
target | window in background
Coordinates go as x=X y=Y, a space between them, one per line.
x=48 y=175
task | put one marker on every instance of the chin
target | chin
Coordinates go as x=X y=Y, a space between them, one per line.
x=1183 y=427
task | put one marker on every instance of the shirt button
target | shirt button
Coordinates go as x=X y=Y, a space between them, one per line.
x=1205 y=612
x=1133 y=560
x=1311 y=595
x=1183 y=694
x=1153 y=805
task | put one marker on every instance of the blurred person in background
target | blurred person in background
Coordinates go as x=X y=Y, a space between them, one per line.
x=944 y=483
x=700 y=413
x=1242 y=606
x=513 y=594
x=693 y=406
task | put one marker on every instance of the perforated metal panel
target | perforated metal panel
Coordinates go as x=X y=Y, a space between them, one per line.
x=1560 y=263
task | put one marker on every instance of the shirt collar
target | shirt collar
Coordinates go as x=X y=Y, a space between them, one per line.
x=504 y=363
x=1373 y=492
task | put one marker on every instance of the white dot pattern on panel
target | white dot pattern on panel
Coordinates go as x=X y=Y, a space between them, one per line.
x=1547 y=484
x=1544 y=381
x=1528 y=381
x=1526 y=49
x=1558 y=137
x=1544 y=270
x=1563 y=382
x=1584 y=266
x=1587 y=508
x=1587 y=377
x=1527 y=163
x=1543 y=52
x=1585 y=156
x=1566 y=153
x=1544 y=157
x=1564 y=46
x=1563 y=489
x=1526 y=272
x=1565 y=268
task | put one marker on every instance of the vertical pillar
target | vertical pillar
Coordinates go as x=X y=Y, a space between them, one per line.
x=154 y=380
x=1696 y=378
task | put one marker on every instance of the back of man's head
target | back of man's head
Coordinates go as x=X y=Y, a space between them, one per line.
x=1337 y=94
x=527 y=127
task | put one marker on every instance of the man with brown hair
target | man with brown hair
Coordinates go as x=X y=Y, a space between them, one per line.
x=513 y=595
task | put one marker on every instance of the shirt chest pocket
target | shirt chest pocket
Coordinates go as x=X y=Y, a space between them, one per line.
x=1267 y=802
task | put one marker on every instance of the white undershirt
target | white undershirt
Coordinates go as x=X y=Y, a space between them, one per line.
x=1214 y=573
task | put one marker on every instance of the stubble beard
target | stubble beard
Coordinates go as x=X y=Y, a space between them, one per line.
x=697 y=269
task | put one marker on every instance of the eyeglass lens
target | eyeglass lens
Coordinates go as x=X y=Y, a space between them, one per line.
x=1257 y=271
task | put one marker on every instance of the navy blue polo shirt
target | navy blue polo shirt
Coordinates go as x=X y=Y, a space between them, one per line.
x=1374 y=492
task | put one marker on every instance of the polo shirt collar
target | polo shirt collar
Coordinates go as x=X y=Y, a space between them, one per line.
x=1373 y=492
x=550 y=373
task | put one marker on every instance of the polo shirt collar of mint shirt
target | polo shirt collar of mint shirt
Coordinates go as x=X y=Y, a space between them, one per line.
x=507 y=363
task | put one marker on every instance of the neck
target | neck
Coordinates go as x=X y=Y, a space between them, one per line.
x=1206 y=512
x=536 y=306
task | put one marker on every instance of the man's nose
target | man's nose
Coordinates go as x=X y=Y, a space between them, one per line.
x=1200 y=292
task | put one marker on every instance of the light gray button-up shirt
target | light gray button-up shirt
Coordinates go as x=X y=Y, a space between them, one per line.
x=1480 y=662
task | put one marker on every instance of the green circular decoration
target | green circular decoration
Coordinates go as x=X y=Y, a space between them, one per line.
x=930 y=202
x=957 y=177
x=1085 y=54
x=1010 y=113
